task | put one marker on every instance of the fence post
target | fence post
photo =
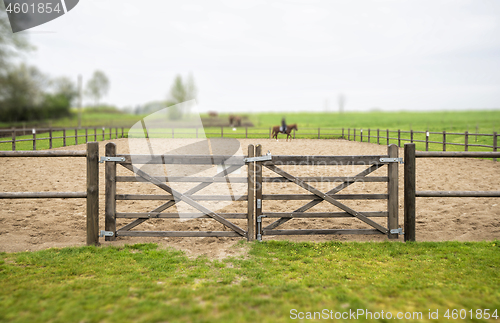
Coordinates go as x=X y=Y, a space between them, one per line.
x=95 y=134
x=13 y=139
x=392 y=190
x=103 y=128
x=246 y=134
x=354 y=134
x=50 y=138
x=411 y=135
x=368 y=135
x=64 y=137
x=251 y=196
x=86 y=135
x=387 y=137
x=427 y=141
x=116 y=132
x=318 y=133
x=222 y=132
x=110 y=192
x=444 y=140
x=399 y=137
x=409 y=192
x=494 y=143
x=258 y=188
x=361 y=135
x=34 y=138
x=76 y=136
x=349 y=134
x=378 y=136
x=110 y=129
x=122 y=133
x=343 y=133
x=92 y=193
x=466 y=134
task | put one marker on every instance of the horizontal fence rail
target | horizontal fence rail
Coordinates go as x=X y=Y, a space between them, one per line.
x=92 y=193
x=410 y=192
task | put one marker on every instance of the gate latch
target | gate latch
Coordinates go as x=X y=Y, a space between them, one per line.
x=260 y=158
x=391 y=160
x=112 y=159
x=397 y=231
x=106 y=233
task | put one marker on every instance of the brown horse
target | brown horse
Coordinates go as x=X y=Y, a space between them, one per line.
x=289 y=128
x=234 y=120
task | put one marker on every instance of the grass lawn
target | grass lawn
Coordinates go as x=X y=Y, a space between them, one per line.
x=142 y=283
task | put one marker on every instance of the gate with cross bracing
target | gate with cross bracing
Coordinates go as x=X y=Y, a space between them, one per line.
x=177 y=201
x=269 y=221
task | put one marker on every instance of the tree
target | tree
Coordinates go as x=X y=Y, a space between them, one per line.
x=180 y=91
x=97 y=86
x=65 y=87
x=11 y=45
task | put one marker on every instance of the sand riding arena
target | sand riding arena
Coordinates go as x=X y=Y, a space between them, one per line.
x=34 y=224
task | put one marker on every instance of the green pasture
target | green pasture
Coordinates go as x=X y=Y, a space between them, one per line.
x=142 y=283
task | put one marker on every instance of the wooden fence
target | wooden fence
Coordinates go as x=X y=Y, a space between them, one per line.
x=410 y=193
x=92 y=193
x=91 y=134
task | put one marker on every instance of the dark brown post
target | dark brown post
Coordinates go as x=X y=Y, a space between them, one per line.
x=258 y=187
x=251 y=195
x=495 y=145
x=378 y=136
x=103 y=129
x=477 y=131
x=86 y=135
x=34 y=138
x=92 y=193
x=427 y=141
x=392 y=190
x=122 y=133
x=50 y=138
x=64 y=137
x=387 y=137
x=349 y=134
x=444 y=140
x=95 y=134
x=318 y=133
x=466 y=134
x=76 y=136
x=110 y=129
x=110 y=192
x=116 y=133
x=399 y=137
x=354 y=133
x=409 y=192
x=368 y=134
x=222 y=132
x=411 y=136
x=361 y=135
x=343 y=133
x=13 y=139
x=246 y=132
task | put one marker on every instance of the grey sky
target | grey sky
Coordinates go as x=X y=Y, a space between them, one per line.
x=284 y=55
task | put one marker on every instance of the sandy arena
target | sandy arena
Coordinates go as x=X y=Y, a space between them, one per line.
x=34 y=224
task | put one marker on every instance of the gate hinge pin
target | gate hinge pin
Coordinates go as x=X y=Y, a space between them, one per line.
x=259 y=226
x=106 y=233
x=392 y=160
x=397 y=231
x=111 y=159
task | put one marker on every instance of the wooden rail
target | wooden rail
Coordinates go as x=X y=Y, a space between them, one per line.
x=92 y=193
x=410 y=192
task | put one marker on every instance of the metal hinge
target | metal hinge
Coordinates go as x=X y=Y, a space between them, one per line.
x=259 y=203
x=106 y=234
x=392 y=160
x=260 y=158
x=112 y=159
x=397 y=231
x=259 y=226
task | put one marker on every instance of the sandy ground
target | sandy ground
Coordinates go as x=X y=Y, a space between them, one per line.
x=35 y=224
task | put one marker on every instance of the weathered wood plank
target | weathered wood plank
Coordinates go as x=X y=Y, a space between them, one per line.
x=392 y=191
x=251 y=195
x=159 y=215
x=456 y=154
x=320 y=231
x=92 y=193
x=110 y=192
x=42 y=153
x=154 y=197
x=321 y=214
x=326 y=179
x=183 y=159
x=177 y=234
x=409 y=192
x=42 y=195
x=457 y=193
x=186 y=179
x=324 y=160
x=258 y=188
x=316 y=198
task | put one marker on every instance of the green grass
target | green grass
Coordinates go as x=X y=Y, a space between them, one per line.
x=141 y=283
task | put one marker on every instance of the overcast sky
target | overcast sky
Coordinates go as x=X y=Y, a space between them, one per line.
x=284 y=55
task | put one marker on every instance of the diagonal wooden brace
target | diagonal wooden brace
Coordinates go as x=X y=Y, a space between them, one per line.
x=327 y=198
x=335 y=190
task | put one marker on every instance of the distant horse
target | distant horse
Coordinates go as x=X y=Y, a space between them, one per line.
x=289 y=128
x=212 y=114
x=234 y=120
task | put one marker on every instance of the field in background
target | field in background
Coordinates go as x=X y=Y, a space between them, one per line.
x=142 y=283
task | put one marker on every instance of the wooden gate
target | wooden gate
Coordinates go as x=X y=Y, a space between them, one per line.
x=230 y=165
x=332 y=197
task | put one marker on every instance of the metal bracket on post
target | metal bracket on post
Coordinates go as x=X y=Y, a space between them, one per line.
x=259 y=226
x=392 y=160
x=259 y=158
x=106 y=233
x=112 y=159
x=397 y=231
